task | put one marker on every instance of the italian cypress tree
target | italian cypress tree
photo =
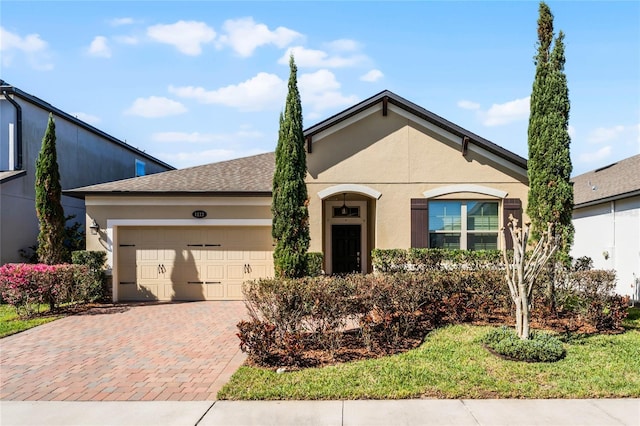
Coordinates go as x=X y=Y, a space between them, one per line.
x=48 y=193
x=290 y=227
x=549 y=165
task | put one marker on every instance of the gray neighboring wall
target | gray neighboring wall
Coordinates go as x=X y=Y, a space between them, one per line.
x=86 y=156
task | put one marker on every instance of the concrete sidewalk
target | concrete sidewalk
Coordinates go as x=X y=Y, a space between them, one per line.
x=601 y=412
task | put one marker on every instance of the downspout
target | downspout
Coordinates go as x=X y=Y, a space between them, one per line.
x=18 y=108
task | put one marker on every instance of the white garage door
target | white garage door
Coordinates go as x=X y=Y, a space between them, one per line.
x=191 y=263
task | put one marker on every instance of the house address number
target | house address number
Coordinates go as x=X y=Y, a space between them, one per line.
x=199 y=214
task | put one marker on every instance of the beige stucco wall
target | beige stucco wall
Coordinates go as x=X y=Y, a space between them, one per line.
x=105 y=208
x=401 y=159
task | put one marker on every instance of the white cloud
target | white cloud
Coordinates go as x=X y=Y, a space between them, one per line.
x=310 y=58
x=572 y=131
x=264 y=91
x=320 y=91
x=131 y=40
x=196 y=137
x=605 y=134
x=344 y=45
x=100 y=47
x=186 y=36
x=592 y=157
x=32 y=46
x=464 y=104
x=116 y=22
x=372 y=76
x=154 y=107
x=508 y=112
x=245 y=35
x=87 y=118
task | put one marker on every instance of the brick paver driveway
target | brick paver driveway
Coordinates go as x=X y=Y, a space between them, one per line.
x=160 y=352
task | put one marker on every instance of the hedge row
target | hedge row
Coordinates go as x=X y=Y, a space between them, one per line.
x=27 y=286
x=425 y=259
x=291 y=315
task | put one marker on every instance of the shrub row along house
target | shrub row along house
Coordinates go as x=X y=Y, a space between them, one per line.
x=385 y=173
x=86 y=155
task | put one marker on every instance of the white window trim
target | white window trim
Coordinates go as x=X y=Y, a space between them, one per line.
x=463 y=223
x=476 y=189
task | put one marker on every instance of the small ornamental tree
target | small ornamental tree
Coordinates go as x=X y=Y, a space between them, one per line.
x=290 y=227
x=521 y=271
x=51 y=250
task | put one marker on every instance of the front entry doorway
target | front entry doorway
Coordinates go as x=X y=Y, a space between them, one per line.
x=346 y=248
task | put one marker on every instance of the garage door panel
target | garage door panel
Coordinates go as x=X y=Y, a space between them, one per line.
x=235 y=255
x=235 y=272
x=184 y=273
x=259 y=255
x=149 y=272
x=214 y=272
x=215 y=255
x=189 y=263
x=234 y=290
x=190 y=291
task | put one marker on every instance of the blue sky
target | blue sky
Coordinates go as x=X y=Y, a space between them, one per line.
x=198 y=82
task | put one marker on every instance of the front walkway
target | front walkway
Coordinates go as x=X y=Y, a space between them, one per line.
x=146 y=352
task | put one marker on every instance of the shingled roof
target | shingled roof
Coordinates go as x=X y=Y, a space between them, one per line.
x=615 y=181
x=247 y=176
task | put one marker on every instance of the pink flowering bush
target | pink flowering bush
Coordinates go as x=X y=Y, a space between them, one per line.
x=26 y=286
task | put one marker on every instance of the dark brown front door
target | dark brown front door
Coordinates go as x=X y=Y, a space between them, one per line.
x=345 y=248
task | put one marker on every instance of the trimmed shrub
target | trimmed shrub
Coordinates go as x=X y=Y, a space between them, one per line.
x=314 y=263
x=425 y=259
x=90 y=286
x=590 y=295
x=26 y=286
x=541 y=347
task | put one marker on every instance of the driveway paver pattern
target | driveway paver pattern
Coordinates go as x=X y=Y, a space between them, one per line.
x=143 y=352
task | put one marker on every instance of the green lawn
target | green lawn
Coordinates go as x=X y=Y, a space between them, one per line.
x=452 y=363
x=10 y=323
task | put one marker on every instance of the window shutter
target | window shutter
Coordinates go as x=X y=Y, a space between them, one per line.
x=419 y=223
x=510 y=206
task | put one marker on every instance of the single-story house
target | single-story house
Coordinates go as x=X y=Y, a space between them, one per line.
x=606 y=217
x=384 y=173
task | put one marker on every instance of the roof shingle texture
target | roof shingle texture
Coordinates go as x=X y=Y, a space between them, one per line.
x=248 y=174
x=614 y=180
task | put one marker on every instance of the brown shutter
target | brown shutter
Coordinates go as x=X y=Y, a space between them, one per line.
x=419 y=223
x=510 y=206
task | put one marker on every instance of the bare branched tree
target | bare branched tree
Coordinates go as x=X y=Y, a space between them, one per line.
x=522 y=270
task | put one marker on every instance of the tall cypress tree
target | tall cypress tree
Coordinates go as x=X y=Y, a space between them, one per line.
x=290 y=226
x=48 y=193
x=549 y=165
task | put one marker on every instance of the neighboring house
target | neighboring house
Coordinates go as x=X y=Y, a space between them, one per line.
x=86 y=156
x=384 y=173
x=606 y=217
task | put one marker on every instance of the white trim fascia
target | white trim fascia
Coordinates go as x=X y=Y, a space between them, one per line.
x=187 y=222
x=424 y=123
x=501 y=161
x=203 y=200
x=347 y=122
x=349 y=187
x=452 y=189
x=456 y=139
